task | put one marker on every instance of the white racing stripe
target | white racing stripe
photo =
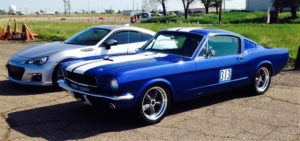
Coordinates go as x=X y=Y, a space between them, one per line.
x=187 y=29
x=73 y=66
x=173 y=29
x=118 y=59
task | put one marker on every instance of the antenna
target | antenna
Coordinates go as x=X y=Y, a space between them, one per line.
x=67 y=6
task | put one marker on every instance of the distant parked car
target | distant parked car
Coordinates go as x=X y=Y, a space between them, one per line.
x=177 y=64
x=38 y=65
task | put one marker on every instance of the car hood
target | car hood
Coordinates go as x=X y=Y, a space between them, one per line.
x=121 y=63
x=45 y=49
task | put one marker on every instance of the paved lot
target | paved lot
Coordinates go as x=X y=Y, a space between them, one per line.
x=47 y=114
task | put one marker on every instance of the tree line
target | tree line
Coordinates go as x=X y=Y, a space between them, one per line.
x=277 y=4
x=186 y=5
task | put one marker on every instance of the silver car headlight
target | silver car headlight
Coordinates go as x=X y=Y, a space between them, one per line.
x=37 y=61
x=114 y=85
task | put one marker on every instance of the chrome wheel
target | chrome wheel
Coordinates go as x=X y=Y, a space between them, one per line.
x=262 y=79
x=154 y=103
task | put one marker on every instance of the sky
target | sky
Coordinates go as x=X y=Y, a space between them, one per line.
x=99 y=5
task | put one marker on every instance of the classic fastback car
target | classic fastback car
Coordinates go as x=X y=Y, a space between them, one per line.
x=178 y=64
x=38 y=65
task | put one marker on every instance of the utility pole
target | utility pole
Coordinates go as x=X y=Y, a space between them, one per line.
x=224 y=6
x=132 y=4
x=89 y=7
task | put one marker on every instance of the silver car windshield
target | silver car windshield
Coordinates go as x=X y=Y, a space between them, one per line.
x=90 y=36
x=182 y=44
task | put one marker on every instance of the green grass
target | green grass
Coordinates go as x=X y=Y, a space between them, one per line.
x=275 y=35
x=227 y=18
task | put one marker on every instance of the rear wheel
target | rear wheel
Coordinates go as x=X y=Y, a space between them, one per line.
x=261 y=81
x=154 y=104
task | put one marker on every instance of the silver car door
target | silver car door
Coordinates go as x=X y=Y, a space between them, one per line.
x=121 y=47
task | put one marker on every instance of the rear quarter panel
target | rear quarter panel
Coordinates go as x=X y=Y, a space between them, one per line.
x=277 y=58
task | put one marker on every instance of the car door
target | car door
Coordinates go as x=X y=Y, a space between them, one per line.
x=122 y=38
x=220 y=65
x=137 y=40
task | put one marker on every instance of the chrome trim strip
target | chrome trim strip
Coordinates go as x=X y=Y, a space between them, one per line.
x=85 y=85
x=234 y=80
x=126 y=96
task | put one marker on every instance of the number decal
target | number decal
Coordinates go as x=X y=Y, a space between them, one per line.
x=225 y=75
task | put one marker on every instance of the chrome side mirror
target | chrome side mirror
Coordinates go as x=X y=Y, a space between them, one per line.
x=211 y=52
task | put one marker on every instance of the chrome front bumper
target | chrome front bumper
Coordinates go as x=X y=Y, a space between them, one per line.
x=70 y=90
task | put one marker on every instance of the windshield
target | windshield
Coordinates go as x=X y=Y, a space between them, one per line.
x=90 y=36
x=183 y=44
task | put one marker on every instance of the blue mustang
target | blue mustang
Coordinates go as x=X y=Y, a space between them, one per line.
x=177 y=64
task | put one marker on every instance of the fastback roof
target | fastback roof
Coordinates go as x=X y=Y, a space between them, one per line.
x=202 y=31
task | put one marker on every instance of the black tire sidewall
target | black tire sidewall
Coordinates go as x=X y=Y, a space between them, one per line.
x=54 y=76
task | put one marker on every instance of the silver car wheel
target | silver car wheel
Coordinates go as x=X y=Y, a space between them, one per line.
x=154 y=103
x=262 y=79
x=59 y=74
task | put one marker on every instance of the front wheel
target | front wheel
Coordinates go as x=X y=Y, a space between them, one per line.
x=153 y=104
x=57 y=75
x=261 y=81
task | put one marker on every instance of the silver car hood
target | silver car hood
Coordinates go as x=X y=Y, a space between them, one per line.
x=45 y=49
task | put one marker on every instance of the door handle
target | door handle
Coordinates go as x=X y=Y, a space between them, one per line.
x=241 y=57
x=87 y=50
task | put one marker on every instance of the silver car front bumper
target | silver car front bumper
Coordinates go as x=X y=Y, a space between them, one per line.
x=30 y=70
x=71 y=91
x=30 y=82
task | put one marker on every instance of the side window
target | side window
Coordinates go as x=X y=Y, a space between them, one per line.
x=203 y=52
x=249 y=45
x=145 y=37
x=224 y=45
x=134 y=36
x=169 y=42
x=121 y=37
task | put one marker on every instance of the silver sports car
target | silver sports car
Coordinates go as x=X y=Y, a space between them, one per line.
x=38 y=65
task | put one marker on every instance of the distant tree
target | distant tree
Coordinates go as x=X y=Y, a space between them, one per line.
x=293 y=4
x=207 y=4
x=216 y=4
x=149 y=5
x=3 y=12
x=164 y=6
x=186 y=6
x=220 y=10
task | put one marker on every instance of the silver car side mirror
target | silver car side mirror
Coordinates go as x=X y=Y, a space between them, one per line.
x=109 y=43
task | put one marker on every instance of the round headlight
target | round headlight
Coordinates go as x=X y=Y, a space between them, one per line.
x=114 y=84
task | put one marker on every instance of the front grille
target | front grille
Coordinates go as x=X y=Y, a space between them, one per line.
x=83 y=88
x=15 y=72
x=80 y=78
